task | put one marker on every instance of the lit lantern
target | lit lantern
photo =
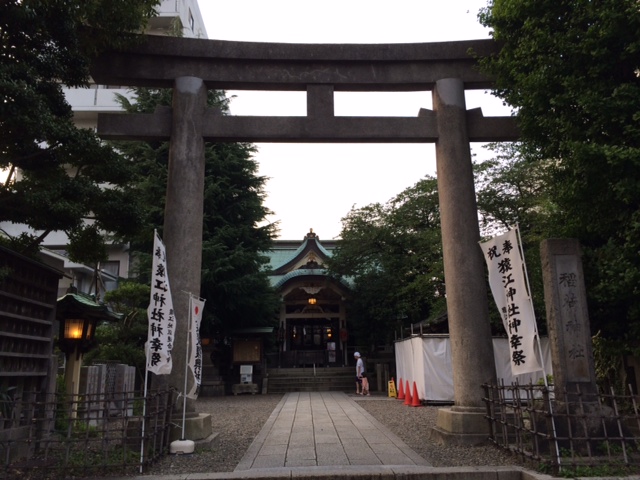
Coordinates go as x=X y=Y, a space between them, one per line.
x=73 y=328
x=76 y=334
x=78 y=315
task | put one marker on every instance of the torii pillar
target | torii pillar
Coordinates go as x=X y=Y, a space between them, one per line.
x=467 y=308
x=182 y=232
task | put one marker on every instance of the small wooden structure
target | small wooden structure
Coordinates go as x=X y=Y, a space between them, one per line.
x=28 y=291
x=248 y=361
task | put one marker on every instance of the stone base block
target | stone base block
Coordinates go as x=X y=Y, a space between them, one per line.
x=251 y=388
x=461 y=426
x=196 y=427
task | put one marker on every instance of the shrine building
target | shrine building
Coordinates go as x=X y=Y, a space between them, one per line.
x=313 y=326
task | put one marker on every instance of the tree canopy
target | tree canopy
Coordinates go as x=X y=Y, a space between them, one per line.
x=393 y=254
x=234 y=281
x=571 y=68
x=55 y=171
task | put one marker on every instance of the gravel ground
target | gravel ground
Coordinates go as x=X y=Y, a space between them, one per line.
x=412 y=425
x=238 y=419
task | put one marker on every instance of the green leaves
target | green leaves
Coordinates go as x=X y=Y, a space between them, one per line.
x=570 y=68
x=87 y=245
x=393 y=254
x=63 y=170
x=234 y=283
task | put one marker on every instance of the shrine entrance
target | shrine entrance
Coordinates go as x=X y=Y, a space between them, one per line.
x=447 y=69
x=312 y=329
x=311 y=342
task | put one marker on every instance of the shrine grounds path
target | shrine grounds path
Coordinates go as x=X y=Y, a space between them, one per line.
x=329 y=434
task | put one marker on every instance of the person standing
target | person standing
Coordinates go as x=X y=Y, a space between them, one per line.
x=359 y=372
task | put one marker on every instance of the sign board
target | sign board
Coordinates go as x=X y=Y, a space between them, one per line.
x=247 y=350
x=392 y=389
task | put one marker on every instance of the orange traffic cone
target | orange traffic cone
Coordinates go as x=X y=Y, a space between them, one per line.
x=407 y=394
x=416 y=401
x=400 y=390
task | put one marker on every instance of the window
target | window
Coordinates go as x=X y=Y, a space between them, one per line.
x=111 y=267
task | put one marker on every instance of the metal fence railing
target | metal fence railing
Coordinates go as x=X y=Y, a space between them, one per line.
x=590 y=434
x=42 y=436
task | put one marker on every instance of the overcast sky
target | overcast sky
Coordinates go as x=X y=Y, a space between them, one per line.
x=315 y=185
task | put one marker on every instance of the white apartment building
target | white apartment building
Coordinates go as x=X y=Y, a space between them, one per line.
x=173 y=16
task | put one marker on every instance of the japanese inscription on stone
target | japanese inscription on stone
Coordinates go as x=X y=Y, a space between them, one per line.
x=572 y=318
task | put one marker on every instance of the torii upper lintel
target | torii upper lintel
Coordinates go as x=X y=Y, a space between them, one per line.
x=157 y=61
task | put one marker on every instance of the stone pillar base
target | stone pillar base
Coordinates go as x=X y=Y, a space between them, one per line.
x=196 y=427
x=461 y=426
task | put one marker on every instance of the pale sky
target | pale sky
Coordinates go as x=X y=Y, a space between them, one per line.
x=315 y=185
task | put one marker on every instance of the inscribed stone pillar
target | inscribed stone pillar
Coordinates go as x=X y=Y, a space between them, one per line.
x=567 y=318
x=184 y=211
x=468 y=313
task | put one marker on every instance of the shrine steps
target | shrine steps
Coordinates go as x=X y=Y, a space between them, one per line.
x=308 y=379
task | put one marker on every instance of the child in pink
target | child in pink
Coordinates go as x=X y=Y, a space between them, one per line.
x=365 y=384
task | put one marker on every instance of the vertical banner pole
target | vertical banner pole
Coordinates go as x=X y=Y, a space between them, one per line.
x=535 y=323
x=186 y=369
x=544 y=371
x=144 y=405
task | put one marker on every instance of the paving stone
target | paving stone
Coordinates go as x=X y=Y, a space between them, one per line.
x=325 y=429
x=301 y=463
x=301 y=453
x=268 y=461
x=273 y=450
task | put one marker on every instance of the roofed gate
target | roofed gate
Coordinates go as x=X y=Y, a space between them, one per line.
x=190 y=66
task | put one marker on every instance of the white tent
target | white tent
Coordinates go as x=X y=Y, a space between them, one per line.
x=426 y=360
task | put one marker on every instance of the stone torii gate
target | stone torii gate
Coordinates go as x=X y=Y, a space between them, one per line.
x=191 y=66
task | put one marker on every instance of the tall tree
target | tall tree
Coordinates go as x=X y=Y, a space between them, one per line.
x=393 y=254
x=234 y=280
x=55 y=171
x=571 y=68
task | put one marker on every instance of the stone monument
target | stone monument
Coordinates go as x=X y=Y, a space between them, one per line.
x=567 y=319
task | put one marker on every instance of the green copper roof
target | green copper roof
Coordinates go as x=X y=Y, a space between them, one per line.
x=87 y=305
x=285 y=251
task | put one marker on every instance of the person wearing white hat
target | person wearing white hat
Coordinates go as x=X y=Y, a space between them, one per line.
x=359 y=372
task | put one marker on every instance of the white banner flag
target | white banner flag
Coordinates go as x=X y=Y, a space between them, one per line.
x=509 y=288
x=162 y=322
x=196 y=305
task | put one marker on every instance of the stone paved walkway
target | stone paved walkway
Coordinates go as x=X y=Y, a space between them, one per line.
x=324 y=429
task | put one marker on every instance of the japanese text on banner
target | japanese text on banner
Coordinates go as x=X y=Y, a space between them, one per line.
x=196 y=306
x=160 y=313
x=508 y=286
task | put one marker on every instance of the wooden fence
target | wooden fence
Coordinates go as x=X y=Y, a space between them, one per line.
x=43 y=436
x=594 y=435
